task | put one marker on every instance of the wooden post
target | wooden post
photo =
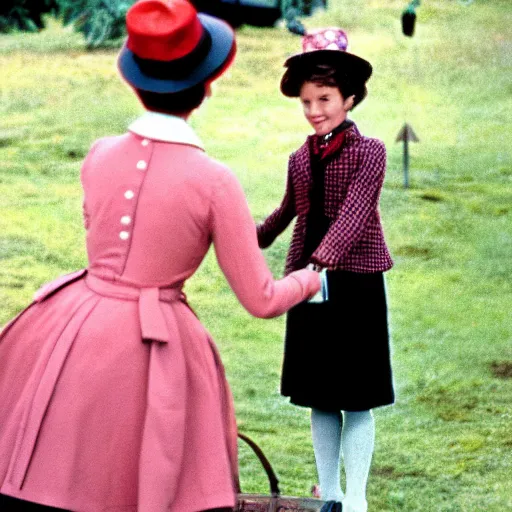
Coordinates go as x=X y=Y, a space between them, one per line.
x=406 y=134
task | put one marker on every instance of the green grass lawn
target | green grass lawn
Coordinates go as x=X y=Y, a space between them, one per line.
x=446 y=444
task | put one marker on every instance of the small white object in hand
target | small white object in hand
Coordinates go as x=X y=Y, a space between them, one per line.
x=323 y=294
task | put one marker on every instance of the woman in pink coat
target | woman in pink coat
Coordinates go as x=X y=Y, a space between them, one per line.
x=112 y=393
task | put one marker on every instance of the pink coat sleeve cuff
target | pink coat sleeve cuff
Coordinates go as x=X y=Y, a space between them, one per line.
x=308 y=280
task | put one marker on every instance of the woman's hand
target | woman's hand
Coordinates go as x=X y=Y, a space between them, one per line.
x=323 y=294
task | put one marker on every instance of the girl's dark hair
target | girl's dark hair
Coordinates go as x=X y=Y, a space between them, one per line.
x=328 y=75
x=173 y=103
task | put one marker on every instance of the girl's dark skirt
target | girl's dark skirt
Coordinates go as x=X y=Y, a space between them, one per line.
x=337 y=354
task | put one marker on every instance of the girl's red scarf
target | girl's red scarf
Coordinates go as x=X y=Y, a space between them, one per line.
x=323 y=148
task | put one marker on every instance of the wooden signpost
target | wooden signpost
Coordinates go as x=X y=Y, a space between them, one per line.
x=406 y=134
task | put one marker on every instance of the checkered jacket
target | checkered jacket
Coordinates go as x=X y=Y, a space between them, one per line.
x=353 y=182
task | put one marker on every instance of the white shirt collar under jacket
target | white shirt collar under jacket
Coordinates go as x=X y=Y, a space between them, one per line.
x=165 y=128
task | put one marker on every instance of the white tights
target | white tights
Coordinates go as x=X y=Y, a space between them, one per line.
x=353 y=436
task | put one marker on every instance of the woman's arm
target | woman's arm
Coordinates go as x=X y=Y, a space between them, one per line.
x=362 y=199
x=242 y=261
x=279 y=219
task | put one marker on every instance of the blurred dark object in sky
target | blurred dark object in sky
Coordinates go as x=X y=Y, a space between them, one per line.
x=263 y=13
x=409 y=18
x=294 y=25
x=408 y=22
x=239 y=12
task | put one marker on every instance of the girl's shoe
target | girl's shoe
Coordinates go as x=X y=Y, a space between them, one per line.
x=332 y=506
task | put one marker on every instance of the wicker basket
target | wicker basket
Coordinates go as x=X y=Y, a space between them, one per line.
x=273 y=502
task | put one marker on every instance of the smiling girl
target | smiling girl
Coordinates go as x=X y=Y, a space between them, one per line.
x=337 y=356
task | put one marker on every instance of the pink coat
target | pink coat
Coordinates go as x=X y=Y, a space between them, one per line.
x=112 y=393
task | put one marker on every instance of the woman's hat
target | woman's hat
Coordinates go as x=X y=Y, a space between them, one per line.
x=171 y=48
x=324 y=46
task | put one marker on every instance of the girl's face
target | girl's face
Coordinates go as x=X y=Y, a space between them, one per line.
x=324 y=106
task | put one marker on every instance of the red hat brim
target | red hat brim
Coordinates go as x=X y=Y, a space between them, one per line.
x=356 y=67
x=211 y=66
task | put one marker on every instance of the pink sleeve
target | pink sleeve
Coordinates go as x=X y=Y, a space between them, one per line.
x=242 y=261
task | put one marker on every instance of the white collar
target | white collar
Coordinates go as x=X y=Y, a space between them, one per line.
x=165 y=128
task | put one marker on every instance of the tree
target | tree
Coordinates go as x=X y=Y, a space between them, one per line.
x=98 y=20
x=26 y=15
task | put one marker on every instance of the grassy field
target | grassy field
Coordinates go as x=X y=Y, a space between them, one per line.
x=446 y=444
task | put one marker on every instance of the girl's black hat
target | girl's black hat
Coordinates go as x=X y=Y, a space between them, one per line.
x=323 y=46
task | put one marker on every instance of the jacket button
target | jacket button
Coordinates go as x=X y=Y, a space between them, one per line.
x=141 y=165
x=125 y=220
x=124 y=235
x=129 y=194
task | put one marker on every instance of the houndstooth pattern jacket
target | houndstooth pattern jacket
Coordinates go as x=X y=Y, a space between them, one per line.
x=353 y=182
